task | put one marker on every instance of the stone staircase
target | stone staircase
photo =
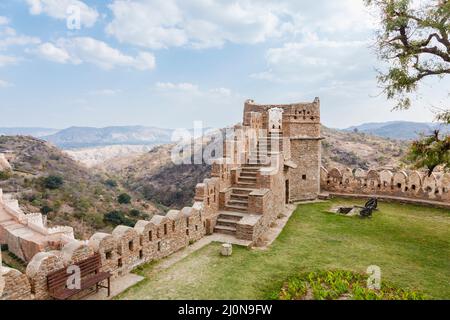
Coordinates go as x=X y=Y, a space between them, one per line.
x=237 y=206
x=227 y=221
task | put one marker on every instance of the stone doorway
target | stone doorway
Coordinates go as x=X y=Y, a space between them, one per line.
x=275 y=120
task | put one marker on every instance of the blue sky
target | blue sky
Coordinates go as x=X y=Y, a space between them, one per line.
x=167 y=63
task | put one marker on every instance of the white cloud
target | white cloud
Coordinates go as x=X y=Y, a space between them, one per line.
x=221 y=91
x=18 y=40
x=9 y=36
x=58 y=9
x=51 y=52
x=88 y=50
x=184 y=86
x=7 y=60
x=205 y=23
x=4 y=20
x=198 y=23
x=187 y=88
x=5 y=84
x=315 y=59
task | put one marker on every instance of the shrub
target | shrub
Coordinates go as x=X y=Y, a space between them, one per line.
x=339 y=284
x=124 y=198
x=53 y=182
x=45 y=210
x=135 y=213
x=111 y=183
x=5 y=175
x=117 y=218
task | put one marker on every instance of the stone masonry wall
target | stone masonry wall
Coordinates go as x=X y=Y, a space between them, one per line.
x=402 y=184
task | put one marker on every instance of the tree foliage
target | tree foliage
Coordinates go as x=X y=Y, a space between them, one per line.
x=124 y=198
x=430 y=152
x=53 y=182
x=414 y=40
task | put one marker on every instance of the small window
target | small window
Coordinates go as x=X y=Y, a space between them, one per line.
x=165 y=229
x=141 y=254
x=399 y=185
x=173 y=226
x=150 y=236
x=187 y=232
x=304 y=177
x=187 y=222
x=108 y=255
x=159 y=246
x=131 y=245
x=196 y=227
x=119 y=263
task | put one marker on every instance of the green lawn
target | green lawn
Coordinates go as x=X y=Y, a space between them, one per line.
x=411 y=245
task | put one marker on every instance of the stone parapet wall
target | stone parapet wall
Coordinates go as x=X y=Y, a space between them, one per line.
x=27 y=234
x=122 y=250
x=401 y=184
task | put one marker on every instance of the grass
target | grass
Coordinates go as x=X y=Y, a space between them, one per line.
x=411 y=245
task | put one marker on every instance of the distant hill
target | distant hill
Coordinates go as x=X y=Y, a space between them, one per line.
x=27 y=131
x=401 y=130
x=82 y=137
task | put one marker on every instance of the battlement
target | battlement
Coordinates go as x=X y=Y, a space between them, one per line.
x=413 y=185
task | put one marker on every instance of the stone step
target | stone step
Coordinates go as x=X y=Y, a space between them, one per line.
x=225 y=230
x=236 y=208
x=257 y=159
x=247 y=179
x=226 y=222
x=240 y=190
x=245 y=185
x=253 y=165
x=249 y=169
x=248 y=173
x=235 y=196
x=238 y=202
x=226 y=215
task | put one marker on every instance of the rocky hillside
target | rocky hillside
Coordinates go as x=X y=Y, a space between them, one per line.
x=47 y=180
x=350 y=149
x=156 y=178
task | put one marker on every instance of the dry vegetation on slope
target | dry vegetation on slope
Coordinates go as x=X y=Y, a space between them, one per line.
x=156 y=178
x=83 y=198
x=352 y=149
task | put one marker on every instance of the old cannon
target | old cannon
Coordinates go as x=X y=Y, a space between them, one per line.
x=369 y=207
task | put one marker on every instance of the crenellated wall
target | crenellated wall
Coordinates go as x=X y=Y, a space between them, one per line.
x=26 y=234
x=402 y=184
x=120 y=251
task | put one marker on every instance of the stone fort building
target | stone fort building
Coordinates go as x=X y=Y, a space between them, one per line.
x=273 y=158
